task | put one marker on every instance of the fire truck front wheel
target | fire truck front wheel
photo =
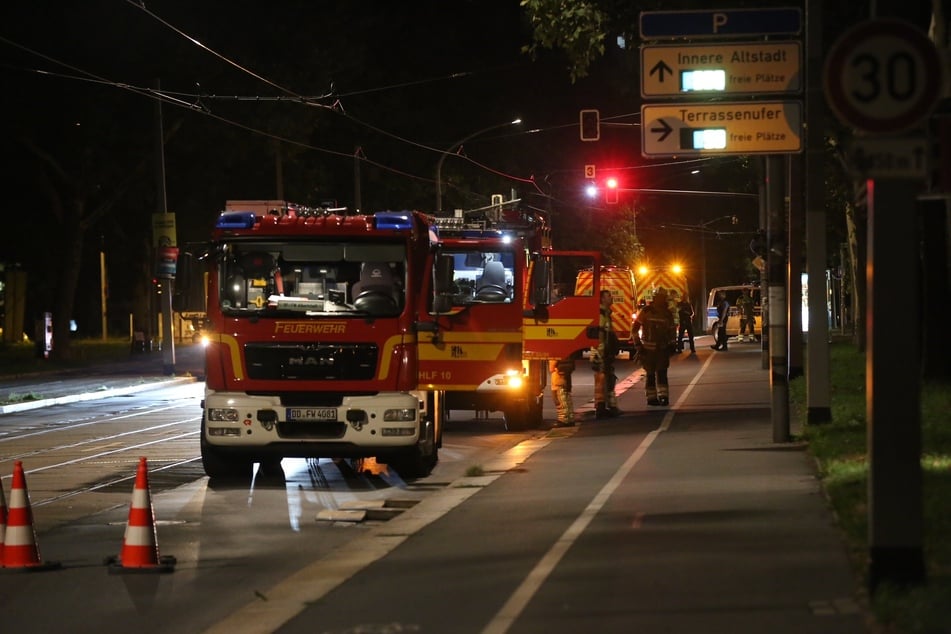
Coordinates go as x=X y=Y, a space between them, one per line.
x=221 y=466
x=420 y=460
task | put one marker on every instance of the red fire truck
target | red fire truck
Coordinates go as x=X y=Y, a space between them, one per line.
x=313 y=351
x=504 y=303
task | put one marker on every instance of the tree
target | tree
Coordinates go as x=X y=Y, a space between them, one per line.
x=76 y=204
x=577 y=28
x=620 y=244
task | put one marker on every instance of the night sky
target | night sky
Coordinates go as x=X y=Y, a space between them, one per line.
x=391 y=83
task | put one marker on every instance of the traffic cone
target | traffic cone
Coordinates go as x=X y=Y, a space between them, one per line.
x=20 y=551
x=3 y=522
x=140 y=546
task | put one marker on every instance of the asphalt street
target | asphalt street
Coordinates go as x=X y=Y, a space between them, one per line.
x=681 y=519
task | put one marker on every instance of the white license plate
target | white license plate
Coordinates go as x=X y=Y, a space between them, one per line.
x=311 y=414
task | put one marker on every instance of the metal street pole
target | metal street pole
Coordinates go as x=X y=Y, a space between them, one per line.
x=456 y=146
x=103 y=294
x=703 y=281
x=168 y=340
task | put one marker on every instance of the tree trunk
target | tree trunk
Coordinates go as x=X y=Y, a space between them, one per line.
x=856 y=217
x=68 y=280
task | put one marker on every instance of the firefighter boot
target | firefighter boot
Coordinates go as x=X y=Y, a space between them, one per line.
x=564 y=407
x=651 y=387
x=610 y=397
x=600 y=409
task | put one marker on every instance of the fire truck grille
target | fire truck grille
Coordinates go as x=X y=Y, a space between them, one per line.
x=312 y=362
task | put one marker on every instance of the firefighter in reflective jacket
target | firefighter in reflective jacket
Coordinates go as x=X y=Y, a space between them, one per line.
x=654 y=334
x=602 y=362
x=561 y=370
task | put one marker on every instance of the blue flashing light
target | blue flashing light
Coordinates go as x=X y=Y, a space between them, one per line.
x=236 y=220
x=393 y=220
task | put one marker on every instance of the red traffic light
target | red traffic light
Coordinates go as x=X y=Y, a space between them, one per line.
x=611 y=190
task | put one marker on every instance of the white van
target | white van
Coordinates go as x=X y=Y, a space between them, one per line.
x=733 y=323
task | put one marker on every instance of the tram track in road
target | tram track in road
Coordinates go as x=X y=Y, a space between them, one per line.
x=80 y=462
x=121 y=481
x=55 y=426
x=110 y=439
x=80 y=459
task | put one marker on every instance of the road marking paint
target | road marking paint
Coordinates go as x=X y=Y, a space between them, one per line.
x=509 y=612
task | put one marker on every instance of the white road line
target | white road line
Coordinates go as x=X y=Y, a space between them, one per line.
x=505 y=617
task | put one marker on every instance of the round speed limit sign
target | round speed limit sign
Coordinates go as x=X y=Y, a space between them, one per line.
x=883 y=76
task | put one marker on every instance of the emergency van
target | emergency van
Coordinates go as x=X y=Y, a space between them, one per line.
x=620 y=281
x=733 y=323
x=671 y=278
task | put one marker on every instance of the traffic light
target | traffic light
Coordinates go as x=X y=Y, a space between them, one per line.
x=610 y=191
x=590 y=125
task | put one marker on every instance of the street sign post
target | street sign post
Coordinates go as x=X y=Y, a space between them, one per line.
x=748 y=68
x=883 y=76
x=683 y=129
x=656 y=25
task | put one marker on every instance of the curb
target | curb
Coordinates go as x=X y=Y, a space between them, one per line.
x=92 y=396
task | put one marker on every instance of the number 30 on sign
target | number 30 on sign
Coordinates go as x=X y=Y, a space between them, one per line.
x=883 y=77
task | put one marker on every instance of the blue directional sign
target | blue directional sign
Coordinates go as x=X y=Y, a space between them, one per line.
x=656 y=25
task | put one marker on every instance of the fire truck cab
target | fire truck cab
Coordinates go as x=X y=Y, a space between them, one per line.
x=499 y=312
x=312 y=352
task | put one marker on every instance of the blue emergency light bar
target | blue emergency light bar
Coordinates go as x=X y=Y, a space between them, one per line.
x=236 y=220
x=392 y=220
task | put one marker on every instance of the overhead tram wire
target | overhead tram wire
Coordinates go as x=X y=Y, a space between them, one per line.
x=174 y=98
x=296 y=97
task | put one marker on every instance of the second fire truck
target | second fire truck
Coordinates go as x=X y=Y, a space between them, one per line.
x=505 y=306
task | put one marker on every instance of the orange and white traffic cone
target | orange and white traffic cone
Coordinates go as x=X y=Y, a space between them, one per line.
x=140 y=545
x=3 y=521
x=20 y=551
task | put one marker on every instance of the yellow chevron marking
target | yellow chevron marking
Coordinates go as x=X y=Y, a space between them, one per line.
x=386 y=354
x=555 y=331
x=234 y=351
x=461 y=352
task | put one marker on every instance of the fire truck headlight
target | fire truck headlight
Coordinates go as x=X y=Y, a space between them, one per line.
x=399 y=415
x=222 y=415
x=205 y=340
x=514 y=379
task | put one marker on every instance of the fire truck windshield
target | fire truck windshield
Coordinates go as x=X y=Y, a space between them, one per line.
x=480 y=276
x=272 y=278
